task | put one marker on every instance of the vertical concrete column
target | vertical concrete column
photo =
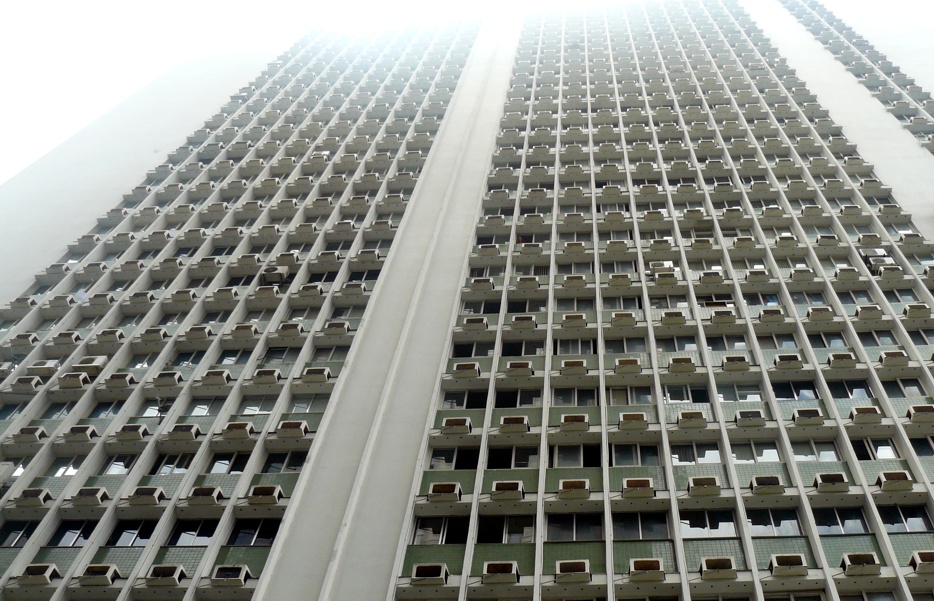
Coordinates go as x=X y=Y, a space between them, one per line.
x=354 y=492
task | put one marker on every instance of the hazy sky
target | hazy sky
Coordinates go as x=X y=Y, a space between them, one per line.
x=66 y=63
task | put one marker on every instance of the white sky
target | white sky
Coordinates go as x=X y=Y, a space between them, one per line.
x=63 y=63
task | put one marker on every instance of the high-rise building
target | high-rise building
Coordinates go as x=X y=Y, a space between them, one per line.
x=596 y=306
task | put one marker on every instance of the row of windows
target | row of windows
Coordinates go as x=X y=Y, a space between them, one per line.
x=138 y=533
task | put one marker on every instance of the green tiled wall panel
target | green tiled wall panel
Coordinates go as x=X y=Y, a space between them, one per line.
x=623 y=551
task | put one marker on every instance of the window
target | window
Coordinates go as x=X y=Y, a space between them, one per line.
x=457 y=458
x=118 y=465
x=794 y=391
x=58 y=410
x=677 y=343
x=233 y=357
x=626 y=345
x=64 y=466
x=905 y=518
x=309 y=403
x=633 y=395
x=481 y=307
x=15 y=533
x=693 y=453
x=228 y=463
x=532 y=305
x=155 y=407
x=874 y=448
x=739 y=393
x=841 y=520
x=923 y=337
x=11 y=410
x=519 y=348
x=257 y=405
x=707 y=524
x=254 y=532
x=464 y=399
x=574 y=397
x=640 y=526
x=574 y=304
x=755 y=452
x=285 y=463
x=815 y=450
x=132 y=533
x=850 y=389
x=905 y=295
x=687 y=394
x=878 y=338
x=726 y=343
x=472 y=349
x=72 y=533
x=574 y=346
x=627 y=455
x=105 y=410
x=827 y=340
x=575 y=456
x=773 y=522
x=205 y=406
x=777 y=341
x=504 y=458
x=508 y=529
x=669 y=302
x=575 y=527
x=141 y=361
x=510 y=399
x=329 y=354
x=624 y=303
x=171 y=464
x=451 y=530
x=279 y=357
x=192 y=533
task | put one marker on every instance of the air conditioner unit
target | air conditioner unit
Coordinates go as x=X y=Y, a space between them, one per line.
x=718 y=568
x=703 y=486
x=646 y=570
x=623 y=318
x=513 y=424
x=666 y=279
x=670 y=318
x=292 y=429
x=165 y=575
x=893 y=358
x=750 y=418
x=841 y=361
x=508 y=490
x=531 y=248
x=627 y=365
x=230 y=575
x=519 y=369
x=99 y=574
x=735 y=363
x=638 y=488
x=681 y=364
x=90 y=497
x=744 y=242
x=146 y=495
x=80 y=434
x=33 y=497
x=238 y=431
x=527 y=282
x=574 y=320
x=184 y=432
x=808 y=417
x=74 y=380
x=788 y=361
x=456 y=425
x=29 y=434
x=476 y=324
x=711 y=277
x=265 y=494
x=620 y=279
x=574 y=367
x=430 y=574
x=691 y=419
x=575 y=422
x=922 y=562
x=916 y=311
x=771 y=314
x=869 y=312
x=313 y=375
x=895 y=481
x=574 y=489
x=38 y=574
x=205 y=495
x=861 y=564
x=572 y=571
x=216 y=377
x=865 y=415
x=766 y=485
x=782 y=566
x=820 y=313
x=831 y=482
x=168 y=379
x=466 y=370
x=523 y=322
x=44 y=369
x=847 y=273
x=500 y=572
